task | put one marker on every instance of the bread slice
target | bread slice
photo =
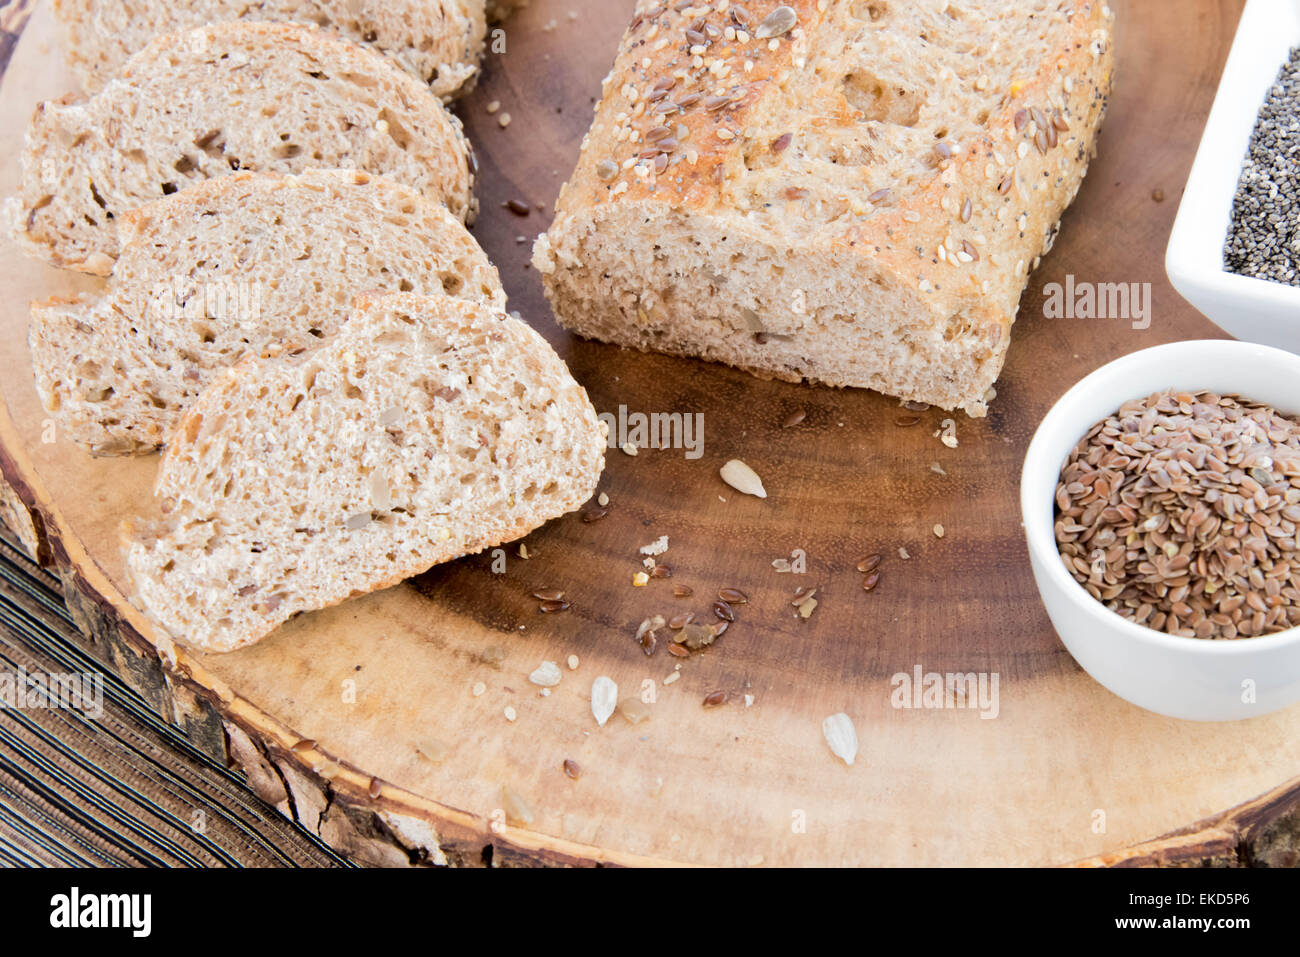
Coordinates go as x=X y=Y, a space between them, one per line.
x=427 y=429
x=438 y=41
x=230 y=267
x=850 y=193
x=207 y=103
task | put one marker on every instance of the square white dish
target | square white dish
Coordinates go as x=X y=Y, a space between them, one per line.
x=1256 y=310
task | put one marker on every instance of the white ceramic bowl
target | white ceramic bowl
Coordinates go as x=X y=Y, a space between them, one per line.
x=1256 y=310
x=1180 y=677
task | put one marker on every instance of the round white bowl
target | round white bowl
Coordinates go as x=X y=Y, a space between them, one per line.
x=1181 y=677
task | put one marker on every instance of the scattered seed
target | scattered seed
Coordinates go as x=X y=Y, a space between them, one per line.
x=510 y=713
x=572 y=662
x=715 y=699
x=870 y=563
x=571 y=769
x=518 y=207
x=550 y=607
x=683 y=591
x=678 y=622
x=546 y=675
x=871 y=581
x=604 y=699
x=777 y=23
x=907 y=421
x=548 y=594
x=723 y=611
x=743 y=479
x=782 y=142
x=794 y=418
x=733 y=596
x=842 y=737
x=678 y=650
x=938 y=531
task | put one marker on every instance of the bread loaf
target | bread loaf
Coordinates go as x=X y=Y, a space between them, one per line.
x=230 y=267
x=849 y=192
x=438 y=41
x=207 y=103
x=427 y=429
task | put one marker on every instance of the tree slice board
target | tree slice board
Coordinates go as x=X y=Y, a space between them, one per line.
x=361 y=720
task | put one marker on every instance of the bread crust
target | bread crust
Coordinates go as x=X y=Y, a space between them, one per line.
x=440 y=42
x=957 y=271
x=88 y=162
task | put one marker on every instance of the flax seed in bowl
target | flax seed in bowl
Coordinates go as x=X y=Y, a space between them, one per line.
x=1181 y=512
x=1159 y=502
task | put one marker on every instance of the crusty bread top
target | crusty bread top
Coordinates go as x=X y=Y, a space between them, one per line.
x=437 y=41
x=940 y=140
x=238 y=95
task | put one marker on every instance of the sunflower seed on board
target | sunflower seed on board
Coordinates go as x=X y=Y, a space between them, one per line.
x=777 y=23
x=743 y=479
x=842 y=737
x=604 y=699
x=546 y=675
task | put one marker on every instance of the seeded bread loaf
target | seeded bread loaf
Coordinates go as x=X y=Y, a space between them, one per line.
x=438 y=41
x=850 y=193
x=427 y=429
x=230 y=267
x=234 y=96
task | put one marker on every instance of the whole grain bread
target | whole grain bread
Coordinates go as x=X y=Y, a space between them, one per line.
x=852 y=193
x=427 y=429
x=230 y=267
x=216 y=100
x=438 y=41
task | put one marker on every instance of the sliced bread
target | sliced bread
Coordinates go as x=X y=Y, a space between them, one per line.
x=438 y=41
x=230 y=267
x=427 y=429
x=851 y=193
x=207 y=103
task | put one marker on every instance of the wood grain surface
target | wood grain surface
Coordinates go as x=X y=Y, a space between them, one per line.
x=397 y=759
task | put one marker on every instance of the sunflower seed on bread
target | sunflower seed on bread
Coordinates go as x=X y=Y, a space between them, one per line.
x=427 y=429
x=265 y=97
x=230 y=267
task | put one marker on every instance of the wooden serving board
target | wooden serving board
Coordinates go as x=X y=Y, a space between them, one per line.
x=398 y=760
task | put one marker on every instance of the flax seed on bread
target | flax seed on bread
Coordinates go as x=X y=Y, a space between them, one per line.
x=438 y=41
x=851 y=193
x=230 y=267
x=216 y=100
x=426 y=429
